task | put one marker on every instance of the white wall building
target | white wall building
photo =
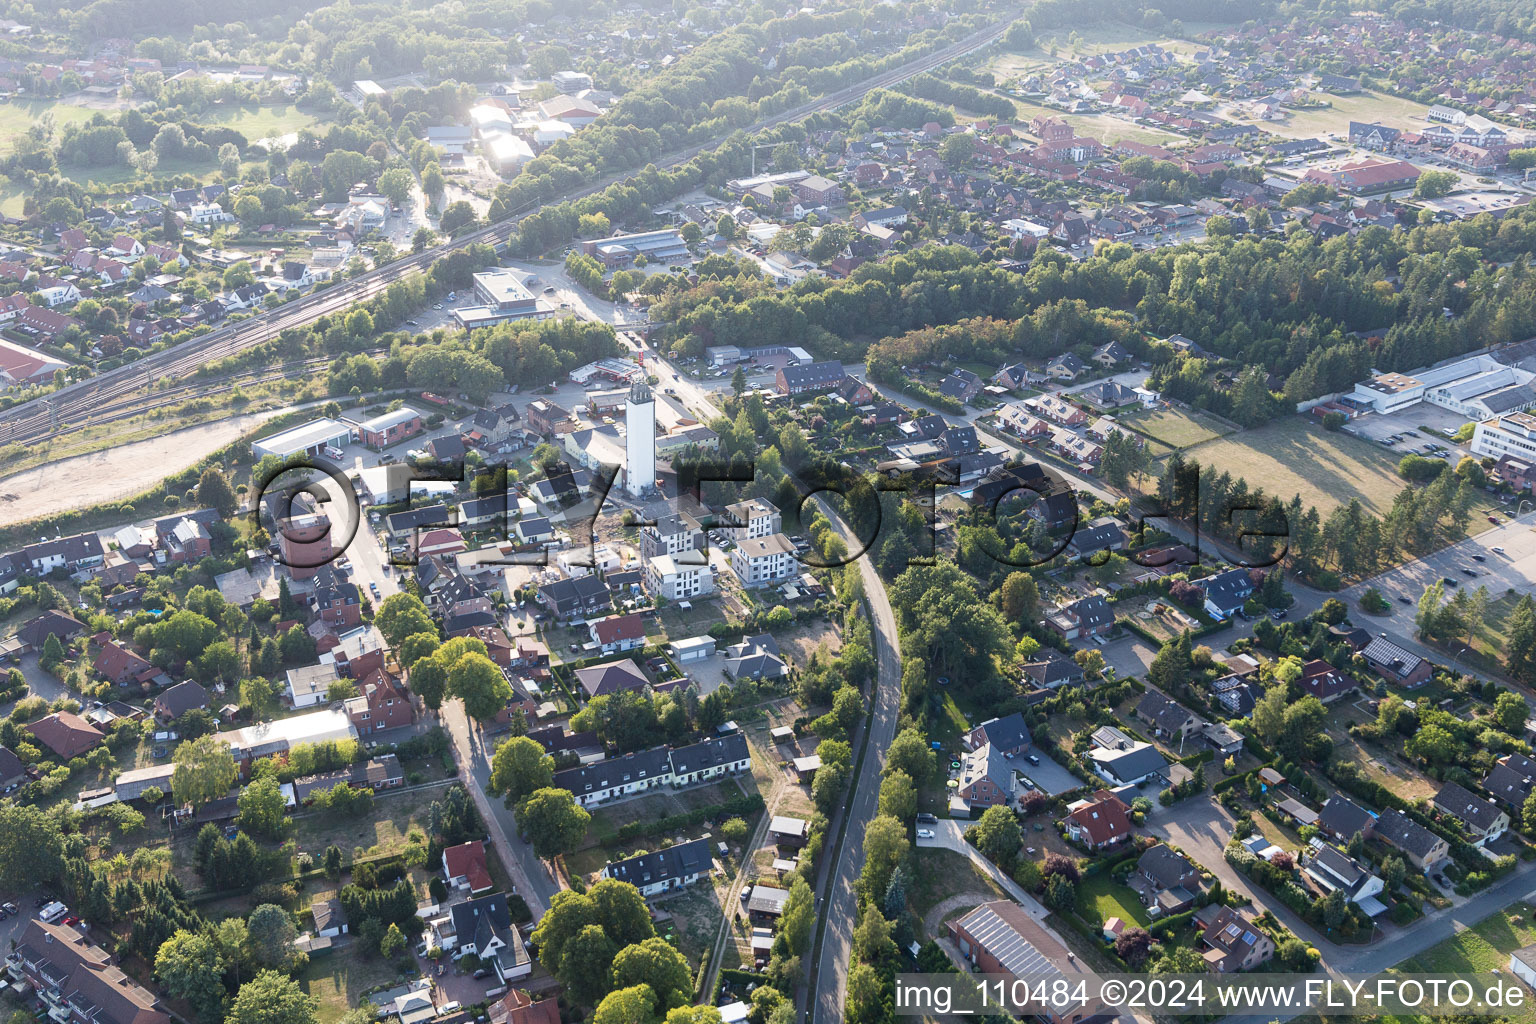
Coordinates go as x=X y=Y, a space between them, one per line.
x=1478 y=387
x=664 y=577
x=763 y=561
x=1513 y=435
x=640 y=440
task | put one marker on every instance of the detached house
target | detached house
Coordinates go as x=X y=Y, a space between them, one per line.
x=1099 y=821
x=1166 y=881
x=465 y=867
x=618 y=632
x=382 y=703
x=1483 y=820
x=1511 y=781
x=986 y=778
x=1009 y=735
x=1226 y=592
x=1422 y=847
x=1089 y=616
x=1329 y=870
x=122 y=666
x=1232 y=941
x=483 y=928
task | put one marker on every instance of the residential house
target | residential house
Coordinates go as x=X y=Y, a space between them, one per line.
x=1395 y=663
x=763 y=561
x=1128 y=766
x=1169 y=720
x=1066 y=366
x=1331 y=870
x=576 y=599
x=986 y=778
x=664 y=870
x=1099 y=821
x=1052 y=670
x=483 y=928
x=66 y=734
x=1321 y=680
x=1512 y=780
x=611 y=677
x=756 y=657
x=77 y=981
x=1423 y=848
x=1083 y=618
x=1482 y=819
x=382 y=703
x=123 y=666
x=809 y=377
x=172 y=703
x=1233 y=941
x=82 y=549
x=465 y=867
x=1002 y=938
x=665 y=577
x=708 y=760
x=618 y=632
x=1167 y=882
x=1226 y=592
x=1009 y=735
x=616 y=777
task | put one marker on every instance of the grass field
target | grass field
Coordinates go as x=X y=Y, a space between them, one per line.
x=1294 y=455
x=1101 y=898
x=1480 y=949
x=259 y=122
x=1393 y=111
x=1178 y=428
x=1102 y=38
x=16 y=116
x=338 y=980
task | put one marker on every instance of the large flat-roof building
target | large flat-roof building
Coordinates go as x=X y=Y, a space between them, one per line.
x=620 y=250
x=310 y=438
x=502 y=297
x=1478 y=387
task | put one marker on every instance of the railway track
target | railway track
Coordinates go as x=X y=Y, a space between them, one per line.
x=78 y=405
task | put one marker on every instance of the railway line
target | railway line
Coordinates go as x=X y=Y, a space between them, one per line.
x=80 y=404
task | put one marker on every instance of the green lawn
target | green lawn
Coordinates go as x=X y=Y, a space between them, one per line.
x=1295 y=455
x=1100 y=898
x=16 y=116
x=338 y=980
x=1178 y=428
x=1478 y=950
x=259 y=122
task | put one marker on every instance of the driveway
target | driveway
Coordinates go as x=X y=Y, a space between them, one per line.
x=1201 y=827
x=1048 y=776
x=949 y=834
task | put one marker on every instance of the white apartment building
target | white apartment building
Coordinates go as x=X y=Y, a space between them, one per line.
x=1513 y=435
x=664 y=577
x=763 y=561
x=758 y=518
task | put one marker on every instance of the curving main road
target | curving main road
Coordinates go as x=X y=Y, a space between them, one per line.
x=38 y=419
x=840 y=906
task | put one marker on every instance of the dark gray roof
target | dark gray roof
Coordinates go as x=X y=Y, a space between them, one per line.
x=643 y=764
x=1167 y=868
x=675 y=862
x=1463 y=804
x=1006 y=733
x=1405 y=833
x=1512 y=780
x=710 y=753
x=1342 y=817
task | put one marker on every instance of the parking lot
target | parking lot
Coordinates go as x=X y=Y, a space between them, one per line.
x=1378 y=426
x=1048 y=776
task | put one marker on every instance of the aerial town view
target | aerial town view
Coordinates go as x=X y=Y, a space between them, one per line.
x=710 y=512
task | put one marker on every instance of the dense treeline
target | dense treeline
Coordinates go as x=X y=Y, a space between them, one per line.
x=1294 y=305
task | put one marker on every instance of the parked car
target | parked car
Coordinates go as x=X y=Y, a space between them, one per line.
x=1469 y=572
x=925 y=818
x=1479 y=558
x=925 y=833
x=1405 y=600
x=1447 y=581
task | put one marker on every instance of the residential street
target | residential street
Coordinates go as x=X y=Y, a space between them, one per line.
x=472 y=750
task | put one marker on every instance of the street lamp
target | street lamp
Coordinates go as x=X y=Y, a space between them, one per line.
x=1454 y=660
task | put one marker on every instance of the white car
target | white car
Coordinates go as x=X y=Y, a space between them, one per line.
x=925 y=833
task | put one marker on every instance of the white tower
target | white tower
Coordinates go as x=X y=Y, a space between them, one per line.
x=640 y=440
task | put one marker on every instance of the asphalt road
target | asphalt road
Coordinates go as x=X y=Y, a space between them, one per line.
x=472 y=749
x=840 y=906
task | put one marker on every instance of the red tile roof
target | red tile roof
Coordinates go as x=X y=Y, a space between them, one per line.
x=468 y=861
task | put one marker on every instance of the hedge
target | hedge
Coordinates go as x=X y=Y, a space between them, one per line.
x=1165 y=927
x=748 y=804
